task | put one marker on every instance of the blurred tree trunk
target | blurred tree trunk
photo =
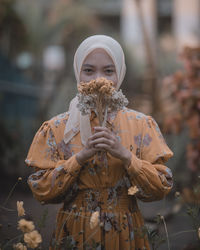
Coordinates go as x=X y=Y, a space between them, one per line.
x=151 y=73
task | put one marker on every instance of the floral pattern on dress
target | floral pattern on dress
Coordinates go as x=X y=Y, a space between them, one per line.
x=95 y=165
x=139 y=116
x=169 y=172
x=56 y=173
x=143 y=195
x=66 y=149
x=58 y=119
x=115 y=192
x=71 y=193
x=147 y=140
x=138 y=140
x=92 y=199
x=32 y=179
x=52 y=149
x=109 y=221
x=133 y=114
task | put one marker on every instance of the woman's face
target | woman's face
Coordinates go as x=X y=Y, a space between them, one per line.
x=98 y=64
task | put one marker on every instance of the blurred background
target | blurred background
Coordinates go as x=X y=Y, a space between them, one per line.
x=161 y=41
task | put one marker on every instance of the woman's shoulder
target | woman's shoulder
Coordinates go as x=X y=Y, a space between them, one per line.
x=140 y=119
x=54 y=124
x=133 y=114
x=58 y=120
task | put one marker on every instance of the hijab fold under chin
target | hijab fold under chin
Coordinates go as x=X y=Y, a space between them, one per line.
x=77 y=122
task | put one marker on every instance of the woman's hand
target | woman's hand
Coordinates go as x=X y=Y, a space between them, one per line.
x=87 y=152
x=104 y=140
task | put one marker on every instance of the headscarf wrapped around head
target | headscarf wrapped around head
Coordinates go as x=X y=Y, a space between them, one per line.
x=77 y=122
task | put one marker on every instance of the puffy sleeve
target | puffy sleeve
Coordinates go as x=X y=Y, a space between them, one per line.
x=54 y=177
x=148 y=172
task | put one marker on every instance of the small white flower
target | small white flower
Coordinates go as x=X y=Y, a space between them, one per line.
x=132 y=190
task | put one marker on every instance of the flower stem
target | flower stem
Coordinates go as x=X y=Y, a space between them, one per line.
x=7 y=209
x=10 y=193
x=7 y=243
x=105 y=116
x=166 y=231
x=181 y=232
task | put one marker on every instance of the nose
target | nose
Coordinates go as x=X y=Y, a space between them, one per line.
x=98 y=75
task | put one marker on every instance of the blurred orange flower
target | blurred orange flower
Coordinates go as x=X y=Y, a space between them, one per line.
x=25 y=225
x=32 y=239
x=20 y=208
x=19 y=246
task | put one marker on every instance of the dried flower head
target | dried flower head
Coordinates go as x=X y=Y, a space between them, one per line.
x=101 y=96
x=20 y=208
x=32 y=239
x=100 y=85
x=94 y=219
x=19 y=246
x=132 y=190
x=25 y=225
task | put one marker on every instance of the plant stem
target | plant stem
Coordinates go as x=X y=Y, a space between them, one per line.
x=7 y=243
x=167 y=235
x=181 y=232
x=61 y=229
x=105 y=116
x=91 y=236
x=10 y=193
x=7 y=209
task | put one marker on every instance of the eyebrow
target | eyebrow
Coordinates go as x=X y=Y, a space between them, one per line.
x=87 y=65
x=110 y=66
x=107 y=66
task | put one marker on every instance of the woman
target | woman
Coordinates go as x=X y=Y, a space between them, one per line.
x=64 y=153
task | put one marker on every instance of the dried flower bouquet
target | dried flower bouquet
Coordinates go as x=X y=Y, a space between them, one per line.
x=101 y=96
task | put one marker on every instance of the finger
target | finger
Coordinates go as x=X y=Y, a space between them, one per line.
x=102 y=134
x=95 y=149
x=102 y=140
x=98 y=129
x=102 y=146
x=90 y=143
x=107 y=131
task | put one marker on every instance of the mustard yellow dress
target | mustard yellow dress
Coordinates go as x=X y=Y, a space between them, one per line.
x=101 y=184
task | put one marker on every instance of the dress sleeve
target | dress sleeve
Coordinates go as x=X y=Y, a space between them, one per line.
x=54 y=177
x=148 y=173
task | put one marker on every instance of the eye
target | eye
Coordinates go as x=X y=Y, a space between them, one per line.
x=87 y=70
x=109 y=71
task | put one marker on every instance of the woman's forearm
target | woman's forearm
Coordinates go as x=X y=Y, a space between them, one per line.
x=49 y=184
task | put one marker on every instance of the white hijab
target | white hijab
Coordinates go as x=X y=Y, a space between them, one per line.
x=77 y=122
